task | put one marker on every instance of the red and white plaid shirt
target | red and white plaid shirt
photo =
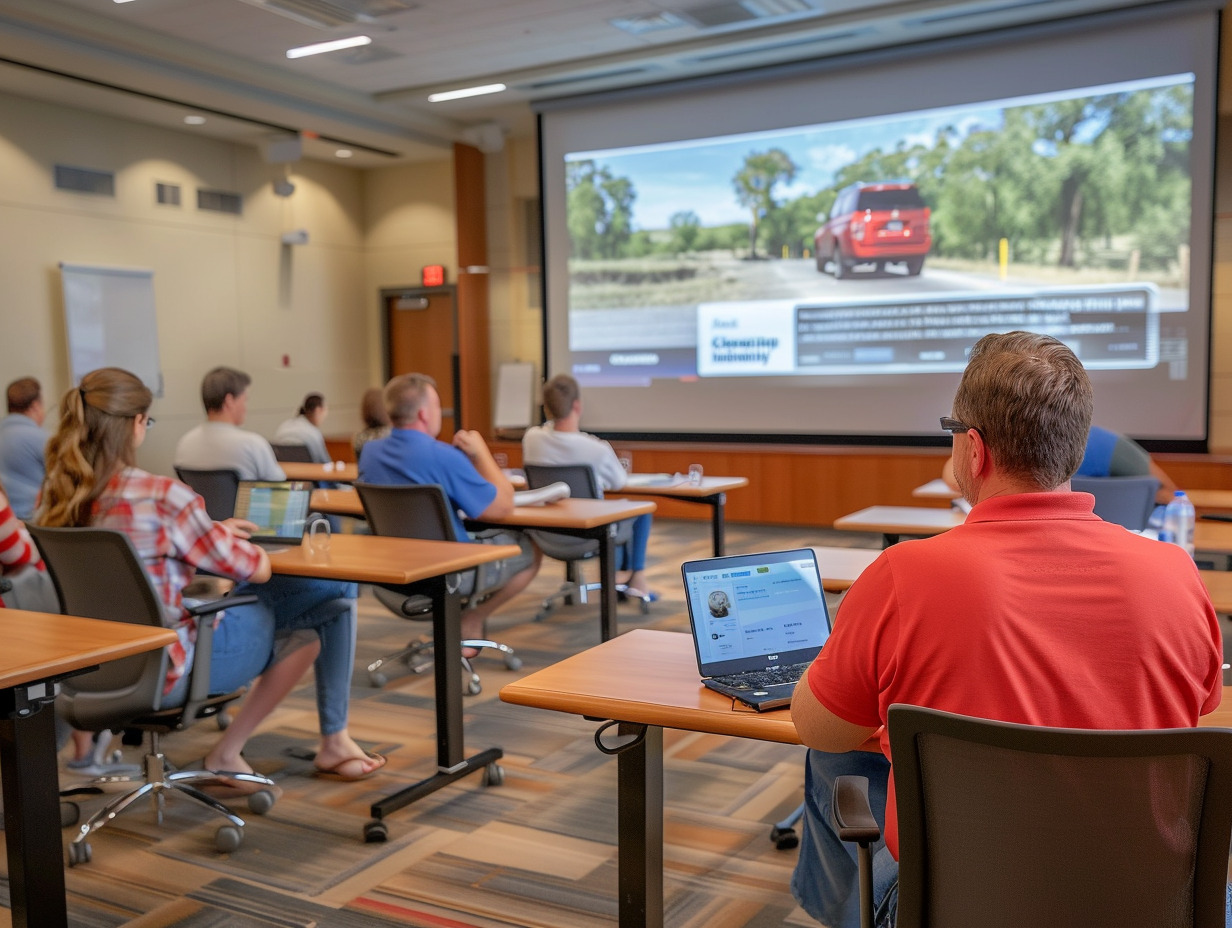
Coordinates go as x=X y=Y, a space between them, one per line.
x=173 y=535
x=16 y=547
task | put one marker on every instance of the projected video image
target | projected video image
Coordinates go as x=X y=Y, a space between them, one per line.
x=887 y=244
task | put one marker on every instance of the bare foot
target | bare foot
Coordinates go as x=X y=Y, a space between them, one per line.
x=340 y=754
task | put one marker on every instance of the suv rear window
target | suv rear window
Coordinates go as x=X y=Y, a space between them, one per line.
x=905 y=198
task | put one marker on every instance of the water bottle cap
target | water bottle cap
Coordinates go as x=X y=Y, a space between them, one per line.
x=1178 y=493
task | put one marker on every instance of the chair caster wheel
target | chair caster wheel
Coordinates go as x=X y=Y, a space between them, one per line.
x=70 y=814
x=261 y=802
x=376 y=833
x=377 y=680
x=513 y=662
x=473 y=686
x=541 y=615
x=643 y=607
x=784 y=838
x=228 y=839
x=79 y=853
x=493 y=775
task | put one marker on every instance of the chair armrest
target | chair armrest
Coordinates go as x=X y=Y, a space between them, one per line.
x=853 y=816
x=217 y=605
x=199 y=684
x=6 y=585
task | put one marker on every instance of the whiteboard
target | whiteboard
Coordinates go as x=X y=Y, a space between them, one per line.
x=110 y=320
x=515 y=399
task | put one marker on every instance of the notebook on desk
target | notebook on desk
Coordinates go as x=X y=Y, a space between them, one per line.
x=278 y=509
x=758 y=620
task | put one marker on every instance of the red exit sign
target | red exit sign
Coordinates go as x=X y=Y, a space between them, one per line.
x=434 y=275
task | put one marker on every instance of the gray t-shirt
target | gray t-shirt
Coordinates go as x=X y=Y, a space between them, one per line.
x=544 y=445
x=223 y=446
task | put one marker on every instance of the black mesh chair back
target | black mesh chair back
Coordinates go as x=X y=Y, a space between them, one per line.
x=1126 y=501
x=1028 y=827
x=579 y=477
x=217 y=487
x=97 y=574
x=294 y=454
x=417 y=511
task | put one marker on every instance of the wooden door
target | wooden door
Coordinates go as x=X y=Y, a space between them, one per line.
x=421 y=337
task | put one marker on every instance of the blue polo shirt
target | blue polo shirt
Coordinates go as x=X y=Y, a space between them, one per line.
x=410 y=456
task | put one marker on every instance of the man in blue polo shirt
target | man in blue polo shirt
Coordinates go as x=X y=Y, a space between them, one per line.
x=467 y=472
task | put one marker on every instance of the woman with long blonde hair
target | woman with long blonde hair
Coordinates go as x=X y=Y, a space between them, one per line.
x=92 y=479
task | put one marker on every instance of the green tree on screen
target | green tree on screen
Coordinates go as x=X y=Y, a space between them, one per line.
x=600 y=210
x=754 y=186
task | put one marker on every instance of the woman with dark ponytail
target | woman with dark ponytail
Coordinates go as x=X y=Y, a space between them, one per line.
x=304 y=428
x=92 y=479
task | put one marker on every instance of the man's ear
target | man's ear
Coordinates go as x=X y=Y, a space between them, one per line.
x=978 y=454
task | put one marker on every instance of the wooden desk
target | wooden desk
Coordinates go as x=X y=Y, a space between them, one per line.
x=419 y=567
x=318 y=473
x=1219 y=588
x=582 y=518
x=841 y=566
x=339 y=502
x=895 y=521
x=39 y=650
x=712 y=492
x=1210 y=500
x=1215 y=537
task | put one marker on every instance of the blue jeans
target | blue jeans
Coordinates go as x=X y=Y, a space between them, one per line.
x=826 y=881
x=327 y=607
x=632 y=556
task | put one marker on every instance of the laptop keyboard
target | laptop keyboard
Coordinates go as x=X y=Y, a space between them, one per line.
x=760 y=679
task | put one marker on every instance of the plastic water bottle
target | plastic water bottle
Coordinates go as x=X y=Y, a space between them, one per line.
x=1179 y=522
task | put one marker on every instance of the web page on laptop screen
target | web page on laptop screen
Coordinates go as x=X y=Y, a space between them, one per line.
x=759 y=609
x=278 y=510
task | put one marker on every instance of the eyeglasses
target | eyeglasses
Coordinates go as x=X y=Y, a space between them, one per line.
x=954 y=426
x=149 y=422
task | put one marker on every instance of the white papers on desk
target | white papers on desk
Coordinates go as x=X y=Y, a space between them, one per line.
x=650 y=480
x=549 y=494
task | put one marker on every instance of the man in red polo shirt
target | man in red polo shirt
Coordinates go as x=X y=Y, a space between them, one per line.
x=1033 y=611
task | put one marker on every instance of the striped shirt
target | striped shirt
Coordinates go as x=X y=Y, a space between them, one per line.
x=16 y=547
x=168 y=525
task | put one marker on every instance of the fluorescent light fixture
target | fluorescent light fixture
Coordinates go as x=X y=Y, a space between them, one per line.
x=321 y=47
x=465 y=92
x=192 y=120
x=343 y=153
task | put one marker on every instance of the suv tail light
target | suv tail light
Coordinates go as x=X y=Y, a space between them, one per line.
x=857 y=231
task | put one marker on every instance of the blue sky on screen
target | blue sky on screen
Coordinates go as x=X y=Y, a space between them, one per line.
x=697 y=174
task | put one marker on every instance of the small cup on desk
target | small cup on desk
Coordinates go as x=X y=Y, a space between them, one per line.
x=501 y=459
x=695 y=475
x=626 y=461
x=316 y=539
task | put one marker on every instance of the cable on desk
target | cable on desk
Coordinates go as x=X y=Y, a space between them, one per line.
x=620 y=748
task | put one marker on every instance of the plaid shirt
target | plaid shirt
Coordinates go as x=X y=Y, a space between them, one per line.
x=16 y=547
x=168 y=525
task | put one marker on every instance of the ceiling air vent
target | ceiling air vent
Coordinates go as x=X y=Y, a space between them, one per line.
x=971 y=12
x=219 y=201
x=781 y=46
x=583 y=78
x=329 y=13
x=648 y=22
x=84 y=180
x=167 y=194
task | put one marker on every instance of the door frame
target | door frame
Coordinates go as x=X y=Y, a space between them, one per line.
x=455 y=361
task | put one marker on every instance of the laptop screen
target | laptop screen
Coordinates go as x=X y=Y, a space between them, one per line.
x=752 y=611
x=278 y=509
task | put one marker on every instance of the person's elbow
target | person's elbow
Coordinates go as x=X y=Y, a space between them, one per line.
x=264 y=570
x=500 y=508
x=820 y=728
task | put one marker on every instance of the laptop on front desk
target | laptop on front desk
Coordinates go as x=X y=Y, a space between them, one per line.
x=758 y=620
x=279 y=509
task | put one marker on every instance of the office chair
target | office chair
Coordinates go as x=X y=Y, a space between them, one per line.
x=217 y=487
x=1126 y=501
x=1023 y=827
x=573 y=551
x=296 y=454
x=422 y=511
x=98 y=574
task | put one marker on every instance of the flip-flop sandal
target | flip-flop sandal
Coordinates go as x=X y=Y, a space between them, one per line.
x=225 y=785
x=332 y=773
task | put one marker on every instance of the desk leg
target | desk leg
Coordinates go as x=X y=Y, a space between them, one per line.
x=452 y=764
x=717 y=525
x=608 y=624
x=640 y=816
x=31 y=812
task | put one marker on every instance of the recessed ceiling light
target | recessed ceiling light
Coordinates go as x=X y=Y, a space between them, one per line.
x=188 y=120
x=321 y=47
x=344 y=153
x=465 y=92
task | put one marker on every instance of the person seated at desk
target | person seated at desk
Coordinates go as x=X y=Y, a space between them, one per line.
x=219 y=443
x=304 y=428
x=94 y=480
x=376 y=419
x=961 y=622
x=562 y=441
x=22 y=441
x=470 y=477
x=1107 y=454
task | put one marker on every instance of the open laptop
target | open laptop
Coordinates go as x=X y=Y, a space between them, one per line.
x=758 y=621
x=279 y=509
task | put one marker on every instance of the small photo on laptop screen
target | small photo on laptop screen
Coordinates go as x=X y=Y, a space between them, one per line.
x=278 y=509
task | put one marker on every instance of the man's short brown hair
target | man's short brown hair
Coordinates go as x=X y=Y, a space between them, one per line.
x=405 y=395
x=559 y=395
x=220 y=383
x=23 y=393
x=1031 y=400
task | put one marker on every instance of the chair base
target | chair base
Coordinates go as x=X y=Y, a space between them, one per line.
x=156 y=783
x=571 y=590
x=417 y=657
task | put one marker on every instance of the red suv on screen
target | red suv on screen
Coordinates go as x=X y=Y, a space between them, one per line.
x=874 y=224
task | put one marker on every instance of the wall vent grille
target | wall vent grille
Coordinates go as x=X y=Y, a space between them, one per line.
x=167 y=194
x=84 y=180
x=219 y=201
